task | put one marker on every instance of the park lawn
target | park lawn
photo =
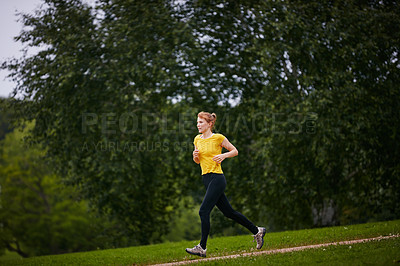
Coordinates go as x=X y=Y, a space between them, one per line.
x=382 y=252
x=169 y=252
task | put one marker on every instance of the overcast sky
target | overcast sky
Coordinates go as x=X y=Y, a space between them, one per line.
x=8 y=29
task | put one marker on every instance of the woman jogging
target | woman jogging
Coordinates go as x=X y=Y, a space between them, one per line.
x=208 y=153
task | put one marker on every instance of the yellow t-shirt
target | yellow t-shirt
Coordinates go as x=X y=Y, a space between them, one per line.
x=208 y=148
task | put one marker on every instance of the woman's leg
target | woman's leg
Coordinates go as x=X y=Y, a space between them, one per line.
x=225 y=207
x=215 y=184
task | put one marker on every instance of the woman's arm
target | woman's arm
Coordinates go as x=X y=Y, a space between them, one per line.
x=232 y=151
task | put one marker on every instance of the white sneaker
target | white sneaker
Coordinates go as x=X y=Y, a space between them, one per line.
x=259 y=237
x=197 y=250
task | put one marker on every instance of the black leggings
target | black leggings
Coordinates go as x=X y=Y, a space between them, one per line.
x=215 y=185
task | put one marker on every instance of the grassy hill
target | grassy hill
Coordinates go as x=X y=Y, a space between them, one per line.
x=375 y=252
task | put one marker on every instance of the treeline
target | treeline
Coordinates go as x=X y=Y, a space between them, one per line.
x=306 y=90
x=39 y=215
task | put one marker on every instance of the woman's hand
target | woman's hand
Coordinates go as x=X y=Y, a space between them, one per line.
x=219 y=158
x=196 y=155
x=232 y=151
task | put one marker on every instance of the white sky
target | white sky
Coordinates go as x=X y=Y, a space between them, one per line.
x=8 y=30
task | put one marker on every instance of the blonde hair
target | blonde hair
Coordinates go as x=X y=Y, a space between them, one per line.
x=210 y=118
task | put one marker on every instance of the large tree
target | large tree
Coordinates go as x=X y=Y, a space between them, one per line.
x=98 y=90
x=306 y=91
x=328 y=153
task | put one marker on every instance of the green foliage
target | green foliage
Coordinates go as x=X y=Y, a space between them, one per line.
x=348 y=164
x=316 y=123
x=5 y=117
x=306 y=90
x=109 y=71
x=38 y=215
x=185 y=225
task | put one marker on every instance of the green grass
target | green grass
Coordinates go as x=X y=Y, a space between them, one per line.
x=383 y=252
x=168 y=252
x=9 y=257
